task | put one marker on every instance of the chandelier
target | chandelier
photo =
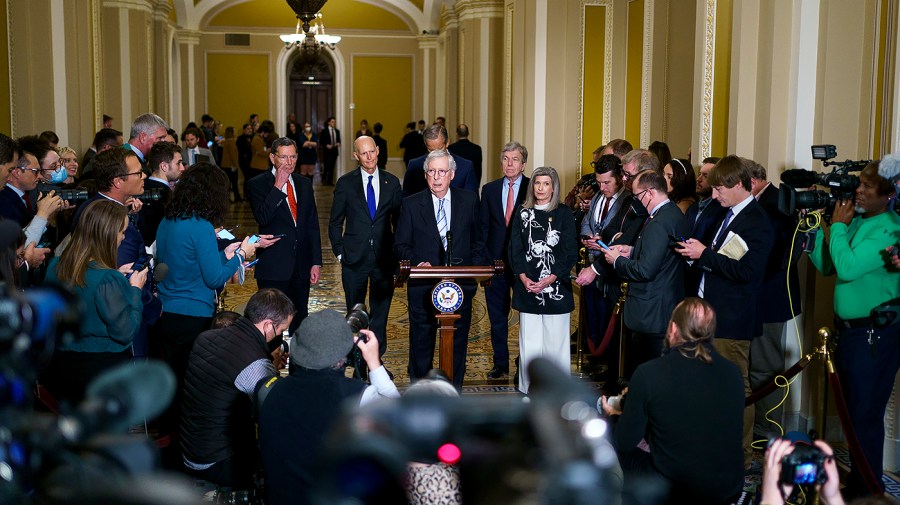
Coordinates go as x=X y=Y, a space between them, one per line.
x=312 y=37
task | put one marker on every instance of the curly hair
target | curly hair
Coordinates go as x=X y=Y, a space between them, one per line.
x=201 y=192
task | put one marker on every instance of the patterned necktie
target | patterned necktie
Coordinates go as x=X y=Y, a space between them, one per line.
x=510 y=203
x=370 y=199
x=721 y=235
x=604 y=211
x=292 y=201
x=442 y=222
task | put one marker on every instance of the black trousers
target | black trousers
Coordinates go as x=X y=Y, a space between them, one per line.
x=498 y=298
x=69 y=373
x=176 y=334
x=380 y=285
x=640 y=348
x=423 y=329
x=297 y=290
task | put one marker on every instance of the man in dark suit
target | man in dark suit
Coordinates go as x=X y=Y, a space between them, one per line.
x=283 y=205
x=611 y=220
x=193 y=152
x=364 y=216
x=499 y=199
x=146 y=130
x=412 y=144
x=11 y=157
x=427 y=221
x=466 y=149
x=653 y=271
x=167 y=165
x=776 y=308
x=15 y=205
x=436 y=139
x=330 y=140
x=120 y=178
x=382 y=146
x=702 y=219
x=733 y=268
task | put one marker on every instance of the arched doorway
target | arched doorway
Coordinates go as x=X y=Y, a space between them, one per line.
x=310 y=89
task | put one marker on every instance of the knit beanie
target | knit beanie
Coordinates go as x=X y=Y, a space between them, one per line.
x=322 y=340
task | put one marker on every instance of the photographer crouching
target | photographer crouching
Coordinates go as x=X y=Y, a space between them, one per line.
x=866 y=325
x=297 y=412
x=683 y=434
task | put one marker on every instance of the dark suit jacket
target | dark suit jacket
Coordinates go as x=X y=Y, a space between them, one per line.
x=152 y=213
x=302 y=245
x=775 y=306
x=732 y=286
x=13 y=208
x=382 y=150
x=414 y=180
x=354 y=235
x=325 y=139
x=469 y=151
x=418 y=239
x=493 y=216
x=654 y=272
x=413 y=146
x=702 y=229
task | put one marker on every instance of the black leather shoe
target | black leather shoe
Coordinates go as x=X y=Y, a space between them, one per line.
x=497 y=372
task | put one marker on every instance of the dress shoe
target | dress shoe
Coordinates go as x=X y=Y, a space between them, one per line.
x=497 y=372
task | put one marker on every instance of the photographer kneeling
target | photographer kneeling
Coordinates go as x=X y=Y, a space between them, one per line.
x=868 y=346
x=297 y=412
x=693 y=424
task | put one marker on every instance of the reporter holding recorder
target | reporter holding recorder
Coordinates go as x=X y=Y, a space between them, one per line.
x=186 y=242
x=112 y=301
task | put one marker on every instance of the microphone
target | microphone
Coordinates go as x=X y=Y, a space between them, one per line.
x=160 y=272
x=120 y=398
x=449 y=259
x=799 y=178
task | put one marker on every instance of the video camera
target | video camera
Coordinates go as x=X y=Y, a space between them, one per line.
x=83 y=454
x=840 y=182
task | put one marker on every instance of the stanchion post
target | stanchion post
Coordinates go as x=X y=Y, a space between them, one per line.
x=579 y=335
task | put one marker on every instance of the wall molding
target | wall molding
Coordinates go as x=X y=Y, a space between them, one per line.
x=647 y=71
x=136 y=5
x=607 y=71
x=507 y=71
x=479 y=9
x=709 y=61
x=10 y=43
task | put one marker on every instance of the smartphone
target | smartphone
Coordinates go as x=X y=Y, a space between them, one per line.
x=142 y=262
x=209 y=144
x=248 y=265
x=602 y=244
x=254 y=239
x=42 y=245
x=282 y=235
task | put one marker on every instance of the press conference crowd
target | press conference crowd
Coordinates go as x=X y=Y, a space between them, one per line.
x=700 y=260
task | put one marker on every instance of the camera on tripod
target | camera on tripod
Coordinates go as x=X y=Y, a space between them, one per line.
x=840 y=182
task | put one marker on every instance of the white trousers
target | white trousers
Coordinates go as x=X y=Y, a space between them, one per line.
x=543 y=336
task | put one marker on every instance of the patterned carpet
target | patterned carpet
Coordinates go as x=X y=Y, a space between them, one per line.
x=329 y=294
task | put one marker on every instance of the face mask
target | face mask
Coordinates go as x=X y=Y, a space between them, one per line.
x=59 y=176
x=307 y=130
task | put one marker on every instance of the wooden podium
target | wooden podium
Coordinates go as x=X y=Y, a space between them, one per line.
x=445 y=317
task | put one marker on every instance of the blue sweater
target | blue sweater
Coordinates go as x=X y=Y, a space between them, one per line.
x=112 y=310
x=196 y=267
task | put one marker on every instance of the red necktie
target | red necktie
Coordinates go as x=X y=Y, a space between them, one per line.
x=510 y=203
x=292 y=201
x=604 y=211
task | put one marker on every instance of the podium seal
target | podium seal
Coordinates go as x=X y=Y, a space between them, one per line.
x=447 y=296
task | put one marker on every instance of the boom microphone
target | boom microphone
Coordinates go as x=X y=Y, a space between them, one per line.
x=120 y=398
x=799 y=178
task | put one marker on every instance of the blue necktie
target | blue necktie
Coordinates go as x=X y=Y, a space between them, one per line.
x=370 y=199
x=721 y=234
x=442 y=222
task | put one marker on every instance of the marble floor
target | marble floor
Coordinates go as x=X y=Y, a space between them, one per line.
x=329 y=294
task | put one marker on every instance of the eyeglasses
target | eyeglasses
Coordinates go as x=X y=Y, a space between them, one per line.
x=286 y=157
x=626 y=176
x=123 y=176
x=35 y=171
x=438 y=173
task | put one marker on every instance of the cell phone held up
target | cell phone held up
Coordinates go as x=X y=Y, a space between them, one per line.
x=141 y=263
